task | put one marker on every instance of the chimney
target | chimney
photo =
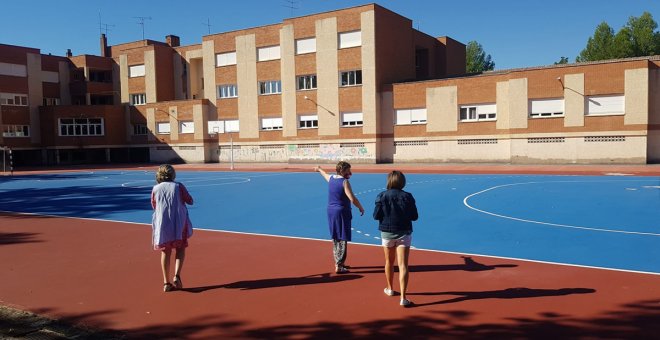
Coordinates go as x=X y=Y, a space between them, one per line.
x=172 y=40
x=104 y=45
x=68 y=53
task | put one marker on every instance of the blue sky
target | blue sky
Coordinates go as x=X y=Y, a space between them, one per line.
x=516 y=33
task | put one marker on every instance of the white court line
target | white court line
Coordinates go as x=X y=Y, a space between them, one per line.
x=465 y=202
x=363 y=244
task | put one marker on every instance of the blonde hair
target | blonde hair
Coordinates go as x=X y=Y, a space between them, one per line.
x=165 y=173
x=396 y=180
x=342 y=166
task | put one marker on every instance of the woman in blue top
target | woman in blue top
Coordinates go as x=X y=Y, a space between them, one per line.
x=340 y=197
x=395 y=210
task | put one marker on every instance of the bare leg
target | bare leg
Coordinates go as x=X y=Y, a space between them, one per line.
x=165 y=264
x=390 y=253
x=402 y=257
x=178 y=265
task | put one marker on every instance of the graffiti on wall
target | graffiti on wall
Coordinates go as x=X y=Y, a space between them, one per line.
x=295 y=152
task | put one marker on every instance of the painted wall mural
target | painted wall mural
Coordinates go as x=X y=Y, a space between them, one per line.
x=297 y=152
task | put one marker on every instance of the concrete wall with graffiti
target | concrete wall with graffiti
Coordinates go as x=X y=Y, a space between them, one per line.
x=356 y=152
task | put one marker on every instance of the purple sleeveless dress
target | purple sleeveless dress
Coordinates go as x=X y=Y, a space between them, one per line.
x=339 y=210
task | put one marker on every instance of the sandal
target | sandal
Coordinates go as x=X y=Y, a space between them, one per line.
x=388 y=292
x=168 y=287
x=177 y=282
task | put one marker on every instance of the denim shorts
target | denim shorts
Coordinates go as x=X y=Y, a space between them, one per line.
x=403 y=241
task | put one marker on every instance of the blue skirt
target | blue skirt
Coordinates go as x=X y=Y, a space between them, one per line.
x=339 y=223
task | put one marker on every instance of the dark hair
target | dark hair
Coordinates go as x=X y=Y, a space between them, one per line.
x=396 y=180
x=342 y=166
x=165 y=173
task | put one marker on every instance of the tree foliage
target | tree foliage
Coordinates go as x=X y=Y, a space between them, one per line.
x=637 y=38
x=476 y=58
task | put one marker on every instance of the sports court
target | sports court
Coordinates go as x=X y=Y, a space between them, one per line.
x=497 y=254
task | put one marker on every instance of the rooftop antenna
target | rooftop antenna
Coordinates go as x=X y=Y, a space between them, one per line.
x=291 y=4
x=104 y=27
x=141 y=23
x=208 y=24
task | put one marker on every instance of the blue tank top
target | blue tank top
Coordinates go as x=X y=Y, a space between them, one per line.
x=336 y=194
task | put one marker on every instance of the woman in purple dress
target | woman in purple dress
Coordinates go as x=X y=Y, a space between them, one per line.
x=340 y=197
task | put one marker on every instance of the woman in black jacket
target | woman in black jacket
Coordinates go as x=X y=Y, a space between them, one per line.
x=395 y=210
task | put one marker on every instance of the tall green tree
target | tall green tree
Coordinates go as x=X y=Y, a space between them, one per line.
x=600 y=46
x=643 y=38
x=476 y=58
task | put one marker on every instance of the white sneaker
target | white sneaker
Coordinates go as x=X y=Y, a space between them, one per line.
x=406 y=303
x=388 y=292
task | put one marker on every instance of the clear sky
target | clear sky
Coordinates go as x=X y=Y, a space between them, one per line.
x=516 y=33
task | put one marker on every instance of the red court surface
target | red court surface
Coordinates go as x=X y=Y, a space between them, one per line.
x=104 y=274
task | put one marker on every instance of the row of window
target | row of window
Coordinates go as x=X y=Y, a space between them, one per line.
x=67 y=127
x=303 y=46
x=15 y=99
x=306 y=82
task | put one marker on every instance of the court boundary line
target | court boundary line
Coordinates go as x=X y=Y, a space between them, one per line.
x=359 y=243
x=568 y=226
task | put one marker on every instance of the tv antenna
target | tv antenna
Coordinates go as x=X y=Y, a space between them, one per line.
x=104 y=27
x=208 y=24
x=292 y=5
x=141 y=23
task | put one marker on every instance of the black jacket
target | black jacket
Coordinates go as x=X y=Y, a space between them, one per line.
x=395 y=210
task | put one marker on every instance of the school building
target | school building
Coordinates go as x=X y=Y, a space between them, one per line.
x=358 y=84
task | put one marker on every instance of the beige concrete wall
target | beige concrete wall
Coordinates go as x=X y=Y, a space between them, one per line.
x=288 y=76
x=151 y=124
x=174 y=122
x=576 y=150
x=442 y=109
x=502 y=106
x=327 y=77
x=574 y=101
x=123 y=78
x=35 y=95
x=177 y=152
x=116 y=84
x=65 y=79
x=637 y=96
x=654 y=91
x=200 y=119
x=518 y=103
x=194 y=73
x=323 y=153
x=385 y=147
x=150 y=84
x=369 y=86
x=246 y=69
x=208 y=52
x=451 y=151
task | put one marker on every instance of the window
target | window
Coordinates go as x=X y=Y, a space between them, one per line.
x=136 y=71
x=231 y=125
x=605 y=105
x=163 y=128
x=270 y=87
x=228 y=91
x=410 y=116
x=308 y=121
x=350 y=78
x=351 y=119
x=307 y=82
x=225 y=59
x=271 y=123
x=542 y=108
x=138 y=99
x=14 y=99
x=307 y=45
x=186 y=127
x=51 y=101
x=475 y=113
x=50 y=77
x=81 y=126
x=140 y=129
x=16 y=131
x=16 y=70
x=350 y=39
x=268 y=53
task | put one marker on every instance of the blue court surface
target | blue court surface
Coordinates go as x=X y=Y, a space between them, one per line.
x=599 y=221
